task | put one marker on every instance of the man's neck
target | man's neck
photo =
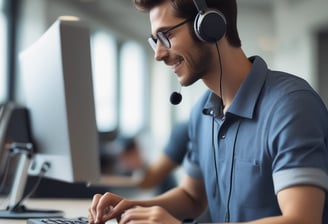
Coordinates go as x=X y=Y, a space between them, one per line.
x=235 y=68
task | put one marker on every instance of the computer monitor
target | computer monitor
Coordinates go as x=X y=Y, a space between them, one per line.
x=58 y=93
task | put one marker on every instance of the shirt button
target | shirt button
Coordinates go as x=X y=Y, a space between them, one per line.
x=223 y=136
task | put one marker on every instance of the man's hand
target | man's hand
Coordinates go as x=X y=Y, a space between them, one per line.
x=107 y=206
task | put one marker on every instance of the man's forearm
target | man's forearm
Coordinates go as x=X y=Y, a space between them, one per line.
x=177 y=202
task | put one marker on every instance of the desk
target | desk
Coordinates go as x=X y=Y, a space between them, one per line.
x=71 y=208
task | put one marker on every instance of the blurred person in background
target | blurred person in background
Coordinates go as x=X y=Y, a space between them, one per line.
x=159 y=173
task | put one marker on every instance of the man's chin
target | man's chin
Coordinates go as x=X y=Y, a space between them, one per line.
x=186 y=83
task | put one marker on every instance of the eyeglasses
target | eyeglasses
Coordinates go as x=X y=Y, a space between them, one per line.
x=162 y=36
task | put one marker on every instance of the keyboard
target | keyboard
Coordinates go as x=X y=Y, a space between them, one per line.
x=78 y=220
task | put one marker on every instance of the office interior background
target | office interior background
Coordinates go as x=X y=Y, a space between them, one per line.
x=132 y=90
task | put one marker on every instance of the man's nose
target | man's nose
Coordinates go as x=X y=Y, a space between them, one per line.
x=161 y=52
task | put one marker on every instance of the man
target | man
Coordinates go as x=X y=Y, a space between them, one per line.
x=258 y=137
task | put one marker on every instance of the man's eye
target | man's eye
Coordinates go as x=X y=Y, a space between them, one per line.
x=169 y=34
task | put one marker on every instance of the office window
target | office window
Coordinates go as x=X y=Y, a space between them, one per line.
x=104 y=57
x=3 y=52
x=132 y=67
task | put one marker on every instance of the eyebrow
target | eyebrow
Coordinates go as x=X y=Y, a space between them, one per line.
x=161 y=29
x=164 y=28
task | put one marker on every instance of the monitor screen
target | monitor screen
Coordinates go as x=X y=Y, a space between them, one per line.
x=58 y=93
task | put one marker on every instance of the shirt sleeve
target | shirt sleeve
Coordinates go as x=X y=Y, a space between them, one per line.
x=300 y=176
x=191 y=167
x=298 y=141
x=177 y=145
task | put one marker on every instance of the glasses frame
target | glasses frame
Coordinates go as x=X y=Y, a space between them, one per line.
x=162 y=36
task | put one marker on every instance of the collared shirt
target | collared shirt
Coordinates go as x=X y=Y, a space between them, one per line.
x=273 y=136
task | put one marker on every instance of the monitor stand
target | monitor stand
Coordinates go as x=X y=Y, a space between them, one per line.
x=15 y=208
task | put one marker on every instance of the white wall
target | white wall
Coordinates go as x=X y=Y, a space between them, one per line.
x=297 y=23
x=257 y=31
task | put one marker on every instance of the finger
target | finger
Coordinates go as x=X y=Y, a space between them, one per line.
x=92 y=210
x=107 y=213
x=104 y=207
x=134 y=214
x=90 y=218
x=119 y=205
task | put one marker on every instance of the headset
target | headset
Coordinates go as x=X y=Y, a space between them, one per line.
x=209 y=24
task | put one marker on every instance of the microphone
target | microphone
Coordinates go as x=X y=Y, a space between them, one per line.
x=175 y=98
x=208 y=111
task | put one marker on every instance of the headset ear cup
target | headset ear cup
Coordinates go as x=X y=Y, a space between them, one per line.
x=197 y=23
x=210 y=26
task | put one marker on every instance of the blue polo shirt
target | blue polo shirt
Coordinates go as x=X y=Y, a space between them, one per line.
x=273 y=136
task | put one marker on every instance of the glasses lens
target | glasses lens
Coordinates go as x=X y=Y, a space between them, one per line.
x=163 y=39
x=152 y=43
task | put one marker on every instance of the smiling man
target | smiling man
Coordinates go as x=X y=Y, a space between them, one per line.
x=258 y=151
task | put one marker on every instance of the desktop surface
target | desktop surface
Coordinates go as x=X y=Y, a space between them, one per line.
x=72 y=208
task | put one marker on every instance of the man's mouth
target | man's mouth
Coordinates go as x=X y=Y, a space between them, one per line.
x=176 y=65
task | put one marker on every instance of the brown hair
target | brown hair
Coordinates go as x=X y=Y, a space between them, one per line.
x=187 y=9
